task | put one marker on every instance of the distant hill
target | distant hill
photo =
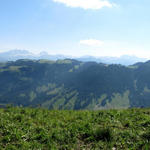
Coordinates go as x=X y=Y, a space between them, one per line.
x=72 y=84
x=14 y=55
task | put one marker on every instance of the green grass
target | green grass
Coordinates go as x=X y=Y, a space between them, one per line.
x=41 y=129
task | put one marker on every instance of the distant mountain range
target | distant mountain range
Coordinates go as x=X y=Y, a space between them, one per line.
x=14 y=55
x=72 y=84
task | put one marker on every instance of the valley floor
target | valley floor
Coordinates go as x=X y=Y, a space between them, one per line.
x=41 y=129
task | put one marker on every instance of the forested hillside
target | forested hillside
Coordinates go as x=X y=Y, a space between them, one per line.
x=71 y=84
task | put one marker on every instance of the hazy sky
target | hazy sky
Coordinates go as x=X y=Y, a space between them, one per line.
x=76 y=27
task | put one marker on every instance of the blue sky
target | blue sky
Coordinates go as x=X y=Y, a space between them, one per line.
x=76 y=27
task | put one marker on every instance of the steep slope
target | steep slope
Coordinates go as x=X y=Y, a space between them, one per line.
x=71 y=84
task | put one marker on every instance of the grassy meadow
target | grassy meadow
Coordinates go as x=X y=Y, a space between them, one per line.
x=41 y=129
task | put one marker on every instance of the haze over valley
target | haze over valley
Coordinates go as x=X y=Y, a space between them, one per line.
x=13 y=55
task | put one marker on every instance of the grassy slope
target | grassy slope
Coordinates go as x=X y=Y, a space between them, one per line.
x=26 y=128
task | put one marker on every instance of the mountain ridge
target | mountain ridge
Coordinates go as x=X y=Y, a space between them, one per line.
x=14 y=55
x=72 y=84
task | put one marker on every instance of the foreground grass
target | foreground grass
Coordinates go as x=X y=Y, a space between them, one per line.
x=40 y=129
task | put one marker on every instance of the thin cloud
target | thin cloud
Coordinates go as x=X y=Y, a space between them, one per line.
x=92 y=42
x=86 y=4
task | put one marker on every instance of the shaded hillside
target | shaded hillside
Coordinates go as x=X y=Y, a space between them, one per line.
x=71 y=84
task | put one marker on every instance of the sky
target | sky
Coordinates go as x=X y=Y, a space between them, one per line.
x=76 y=27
